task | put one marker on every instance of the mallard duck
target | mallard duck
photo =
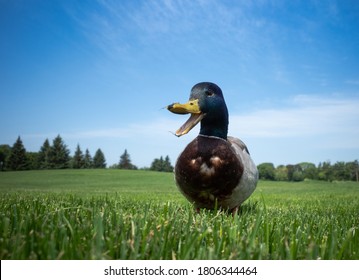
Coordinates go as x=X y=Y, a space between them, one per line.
x=214 y=170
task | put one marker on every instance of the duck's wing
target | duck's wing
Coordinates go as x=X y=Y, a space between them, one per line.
x=239 y=143
x=248 y=181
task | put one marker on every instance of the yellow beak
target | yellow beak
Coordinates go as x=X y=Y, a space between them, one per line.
x=191 y=107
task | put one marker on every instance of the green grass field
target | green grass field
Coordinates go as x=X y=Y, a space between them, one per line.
x=118 y=214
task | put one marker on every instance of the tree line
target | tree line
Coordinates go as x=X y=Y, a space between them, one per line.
x=339 y=171
x=57 y=156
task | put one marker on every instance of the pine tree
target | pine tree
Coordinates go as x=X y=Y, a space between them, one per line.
x=157 y=164
x=167 y=165
x=125 y=161
x=32 y=160
x=99 y=160
x=78 y=161
x=88 y=162
x=60 y=155
x=44 y=158
x=17 y=158
x=162 y=165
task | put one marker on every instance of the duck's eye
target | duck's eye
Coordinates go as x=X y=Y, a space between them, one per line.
x=209 y=93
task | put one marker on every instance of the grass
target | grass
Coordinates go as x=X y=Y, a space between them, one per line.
x=117 y=214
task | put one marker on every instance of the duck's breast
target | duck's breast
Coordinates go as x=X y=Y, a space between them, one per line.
x=208 y=170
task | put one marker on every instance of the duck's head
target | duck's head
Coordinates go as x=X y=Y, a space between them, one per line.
x=206 y=105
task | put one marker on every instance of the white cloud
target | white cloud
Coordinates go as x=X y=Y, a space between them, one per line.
x=308 y=129
x=305 y=116
x=149 y=129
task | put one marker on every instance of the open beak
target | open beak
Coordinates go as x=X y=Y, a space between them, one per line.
x=191 y=107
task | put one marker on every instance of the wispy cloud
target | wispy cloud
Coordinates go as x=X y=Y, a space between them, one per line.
x=271 y=134
x=244 y=35
x=119 y=28
x=304 y=116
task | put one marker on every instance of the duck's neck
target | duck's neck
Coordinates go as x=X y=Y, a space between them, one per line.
x=214 y=127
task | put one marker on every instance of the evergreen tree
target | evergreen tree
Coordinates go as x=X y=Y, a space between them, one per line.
x=99 y=159
x=60 y=155
x=32 y=160
x=17 y=158
x=157 y=164
x=162 y=165
x=5 y=151
x=88 y=163
x=167 y=165
x=78 y=161
x=125 y=161
x=44 y=156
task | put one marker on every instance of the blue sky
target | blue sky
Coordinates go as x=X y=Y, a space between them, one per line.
x=99 y=73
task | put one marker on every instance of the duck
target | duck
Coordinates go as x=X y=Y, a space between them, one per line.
x=214 y=171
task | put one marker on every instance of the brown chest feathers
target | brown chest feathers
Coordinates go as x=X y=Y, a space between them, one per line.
x=207 y=171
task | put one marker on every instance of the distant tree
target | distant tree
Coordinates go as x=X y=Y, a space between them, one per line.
x=167 y=165
x=99 y=160
x=266 y=171
x=297 y=176
x=157 y=164
x=17 y=159
x=340 y=171
x=281 y=173
x=125 y=161
x=290 y=171
x=5 y=151
x=113 y=166
x=44 y=156
x=325 y=171
x=353 y=168
x=32 y=160
x=162 y=165
x=321 y=175
x=78 y=160
x=60 y=154
x=295 y=173
x=88 y=162
x=309 y=170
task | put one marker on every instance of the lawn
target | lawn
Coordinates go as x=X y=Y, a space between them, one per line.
x=119 y=214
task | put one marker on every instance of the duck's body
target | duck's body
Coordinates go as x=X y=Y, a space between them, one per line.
x=214 y=170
